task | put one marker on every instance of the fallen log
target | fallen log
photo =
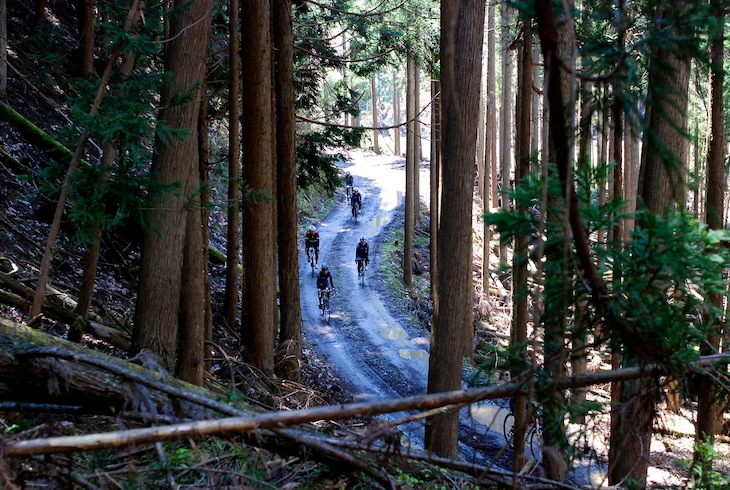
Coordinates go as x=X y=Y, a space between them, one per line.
x=112 y=336
x=36 y=367
x=35 y=135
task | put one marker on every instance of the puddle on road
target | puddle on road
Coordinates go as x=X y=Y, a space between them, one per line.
x=489 y=415
x=396 y=333
x=413 y=354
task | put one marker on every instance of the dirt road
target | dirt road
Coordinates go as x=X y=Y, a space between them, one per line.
x=379 y=353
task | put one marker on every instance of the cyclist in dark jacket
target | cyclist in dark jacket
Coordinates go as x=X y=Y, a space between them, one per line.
x=356 y=200
x=324 y=281
x=362 y=252
x=348 y=184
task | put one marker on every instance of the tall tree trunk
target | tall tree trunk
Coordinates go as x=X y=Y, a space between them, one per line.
x=40 y=13
x=396 y=115
x=505 y=137
x=374 y=97
x=3 y=48
x=489 y=184
x=417 y=150
x=194 y=302
x=410 y=172
x=707 y=406
x=198 y=313
x=603 y=135
x=171 y=270
x=492 y=106
x=86 y=37
x=233 y=232
x=558 y=288
x=481 y=147
x=434 y=183
x=462 y=26
x=662 y=180
x=258 y=322
x=520 y=316
x=662 y=187
x=578 y=355
x=290 y=337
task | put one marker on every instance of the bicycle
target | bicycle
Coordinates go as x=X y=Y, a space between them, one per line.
x=348 y=190
x=533 y=434
x=312 y=262
x=355 y=211
x=361 y=267
x=324 y=303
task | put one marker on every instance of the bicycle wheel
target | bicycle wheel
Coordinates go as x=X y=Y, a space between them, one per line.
x=534 y=439
x=311 y=262
x=327 y=310
x=508 y=428
x=354 y=213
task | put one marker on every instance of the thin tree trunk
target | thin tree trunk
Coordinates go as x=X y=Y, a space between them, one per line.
x=374 y=97
x=86 y=37
x=396 y=115
x=505 y=139
x=40 y=14
x=194 y=302
x=481 y=146
x=434 y=183
x=201 y=180
x=603 y=139
x=489 y=183
x=520 y=315
x=233 y=233
x=410 y=171
x=44 y=273
x=290 y=336
x=417 y=150
x=578 y=356
x=3 y=48
x=707 y=406
x=492 y=105
x=91 y=258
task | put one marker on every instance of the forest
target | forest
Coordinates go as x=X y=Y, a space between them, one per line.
x=555 y=261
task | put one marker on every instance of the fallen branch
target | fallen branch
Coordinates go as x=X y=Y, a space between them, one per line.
x=113 y=336
x=276 y=420
x=36 y=367
x=35 y=135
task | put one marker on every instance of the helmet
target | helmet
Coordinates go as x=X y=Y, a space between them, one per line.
x=362 y=238
x=355 y=190
x=347 y=173
x=325 y=268
x=312 y=228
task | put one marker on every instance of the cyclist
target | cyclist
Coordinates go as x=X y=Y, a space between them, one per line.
x=361 y=254
x=324 y=280
x=348 y=178
x=311 y=240
x=356 y=200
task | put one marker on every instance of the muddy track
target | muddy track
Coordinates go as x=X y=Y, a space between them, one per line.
x=377 y=350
